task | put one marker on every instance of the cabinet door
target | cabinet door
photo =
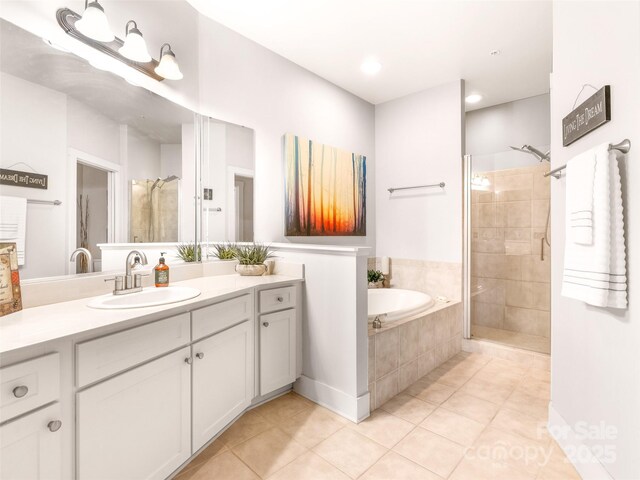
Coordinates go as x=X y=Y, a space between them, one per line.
x=136 y=425
x=222 y=380
x=31 y=446
x=277 y=350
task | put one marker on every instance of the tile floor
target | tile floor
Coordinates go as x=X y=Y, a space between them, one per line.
x=535 y=343
x=474 y=417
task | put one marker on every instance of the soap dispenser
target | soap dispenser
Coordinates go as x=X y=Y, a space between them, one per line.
x=162 y=272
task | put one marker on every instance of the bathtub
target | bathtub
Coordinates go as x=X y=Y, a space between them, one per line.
x=397 y=303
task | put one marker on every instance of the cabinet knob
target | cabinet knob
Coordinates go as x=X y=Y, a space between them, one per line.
x=54 y=425
x=200 y=355
x=280 y=299
x=266 y=324
x=20 y=391
x=188 y=360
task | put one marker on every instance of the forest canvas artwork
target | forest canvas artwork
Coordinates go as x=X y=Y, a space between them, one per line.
x=325 y=189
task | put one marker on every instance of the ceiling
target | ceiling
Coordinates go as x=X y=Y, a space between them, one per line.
x=26 y=56
x=420 y=43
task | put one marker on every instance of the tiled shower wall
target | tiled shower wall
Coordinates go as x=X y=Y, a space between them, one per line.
x=510 y=284
x=435 y=278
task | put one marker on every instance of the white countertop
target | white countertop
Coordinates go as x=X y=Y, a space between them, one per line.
x=37 y=325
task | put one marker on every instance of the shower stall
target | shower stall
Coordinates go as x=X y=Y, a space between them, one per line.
x=507 y=248
x=155 y=210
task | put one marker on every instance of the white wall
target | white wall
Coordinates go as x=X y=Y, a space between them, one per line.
x=246 y=84
x=240 y=142
x=91 y=132
x=33 y=130
x=595 y=372
x=143 y=156
x=419 y=140
x=171 y=160
x=521 y=122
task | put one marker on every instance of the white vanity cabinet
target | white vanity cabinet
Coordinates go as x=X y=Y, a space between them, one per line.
x=31 y=437
x=278 y=332
x=136 y=424
x=222 y=380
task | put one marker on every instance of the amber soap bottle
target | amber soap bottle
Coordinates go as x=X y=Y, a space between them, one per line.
x=162 y=272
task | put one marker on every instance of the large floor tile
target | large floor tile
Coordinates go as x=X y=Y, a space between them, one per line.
x=213 y=450
x=512 y=449
x=487 y=469
x=471 y=407
x=308 y=466
x=269 y=451
x=431 y=451
x=430 y=391
x=312 y=425
x=529 y=405
x=350 y=451
x=222 y=467
x=383 y=428
x=493 y=392
x=409 y=408
x=394 y=466
x=248 y=425
x=284 y=407
x=521 y=424
x=453 y=426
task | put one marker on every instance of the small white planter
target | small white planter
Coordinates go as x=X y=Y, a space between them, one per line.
x=378 y=284
x=251 y=270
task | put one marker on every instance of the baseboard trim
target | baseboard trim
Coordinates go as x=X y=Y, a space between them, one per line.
x=588 y=466
x=352 y=408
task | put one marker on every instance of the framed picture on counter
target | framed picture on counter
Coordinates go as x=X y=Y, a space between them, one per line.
x=10 y=296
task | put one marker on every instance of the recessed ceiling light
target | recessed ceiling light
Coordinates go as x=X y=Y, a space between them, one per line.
x=473 y=98
x=370 y=67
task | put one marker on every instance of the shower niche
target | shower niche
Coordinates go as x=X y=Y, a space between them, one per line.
x=154 y=210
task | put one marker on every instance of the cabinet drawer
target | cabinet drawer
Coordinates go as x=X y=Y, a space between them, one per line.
x=29 y=385
x=277 y=299
x=111 y=354
x=215 y=318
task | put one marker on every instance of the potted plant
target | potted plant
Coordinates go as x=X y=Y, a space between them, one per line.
x=189 y=253
x=375 y=278
x=225 y=251
x=251 y=259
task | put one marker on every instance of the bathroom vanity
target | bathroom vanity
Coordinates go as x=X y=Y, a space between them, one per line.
x=135 y=393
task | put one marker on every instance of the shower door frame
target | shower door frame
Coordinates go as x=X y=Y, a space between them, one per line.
x=466 y=247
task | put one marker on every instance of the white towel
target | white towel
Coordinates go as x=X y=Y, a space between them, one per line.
x=13 y=221
x=596 y=273
x=580 y=177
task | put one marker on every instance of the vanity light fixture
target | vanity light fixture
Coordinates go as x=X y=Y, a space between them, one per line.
x=94 y=23
x=168 y=67
x=134 y=48
x=92 y=28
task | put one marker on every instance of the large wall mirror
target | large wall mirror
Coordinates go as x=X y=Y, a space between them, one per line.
x=126 y=168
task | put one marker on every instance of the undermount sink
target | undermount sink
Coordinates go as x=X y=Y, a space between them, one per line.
x=148 y=297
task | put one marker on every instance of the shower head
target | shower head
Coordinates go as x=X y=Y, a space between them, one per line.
x=171 y=178
x=533 y=151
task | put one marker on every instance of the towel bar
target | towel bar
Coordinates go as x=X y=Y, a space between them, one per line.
x=623 y=147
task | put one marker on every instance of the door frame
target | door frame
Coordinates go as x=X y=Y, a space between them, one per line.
x=114 y=196
x=466 y=246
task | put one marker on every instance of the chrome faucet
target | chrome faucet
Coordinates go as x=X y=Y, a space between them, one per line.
x=87 y=254
x=128 y=283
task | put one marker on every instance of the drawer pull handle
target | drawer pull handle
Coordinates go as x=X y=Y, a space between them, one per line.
x=54 y=425
x=200 y=355
x=20 y=391
x=280 y=299
x=266 y=324
x=188 y=360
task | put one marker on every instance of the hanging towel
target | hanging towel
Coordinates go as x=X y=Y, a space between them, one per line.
x=596 y=273
x=580 y=177
x=13 y=221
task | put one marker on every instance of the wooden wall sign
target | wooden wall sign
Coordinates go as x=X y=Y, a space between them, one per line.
x=10 y=295
x=23 y=179
x=594 y=112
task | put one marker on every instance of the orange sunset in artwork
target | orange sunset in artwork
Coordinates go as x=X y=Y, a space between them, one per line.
x=325 y=189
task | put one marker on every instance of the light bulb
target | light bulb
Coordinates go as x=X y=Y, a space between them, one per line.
x=134 y=48
x=94 y=23
x=168 y=67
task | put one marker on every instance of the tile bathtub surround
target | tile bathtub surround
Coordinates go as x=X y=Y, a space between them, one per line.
x=400 y=353
x=434 y=278
x=510 y=282
x=470 y=419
